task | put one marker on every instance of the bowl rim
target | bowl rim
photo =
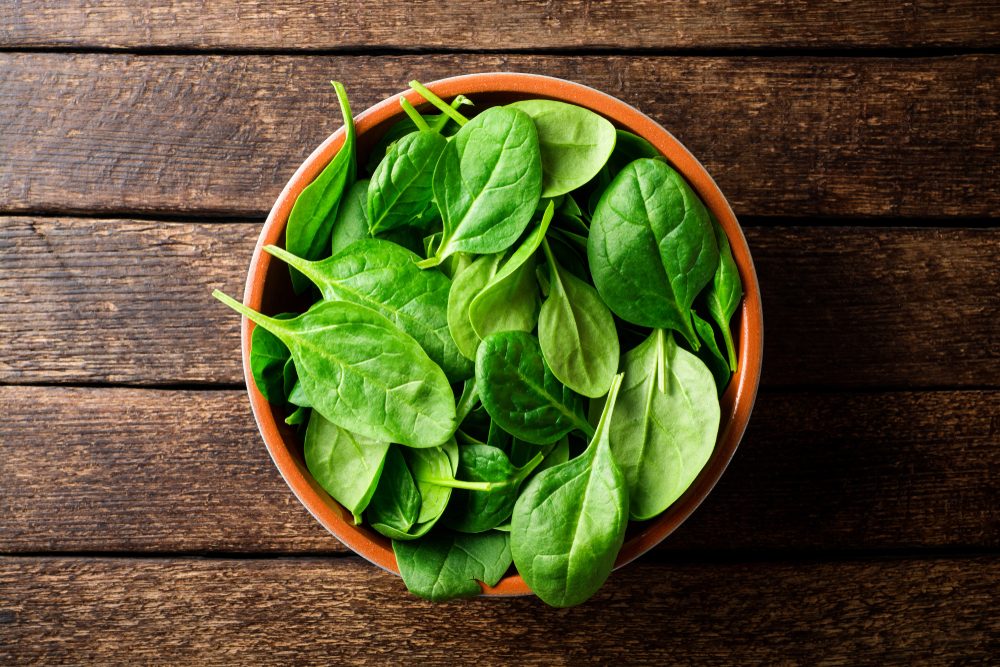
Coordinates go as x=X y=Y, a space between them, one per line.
x=737 y=402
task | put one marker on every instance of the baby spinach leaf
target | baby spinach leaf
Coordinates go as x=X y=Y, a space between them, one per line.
x=479 y=511
x=345 y=464
x=664 y=427
x=352 y=221
x=520 y=392
x=466 y=286
x=395 y=506
x=574 y=142
x=569 y=523
x=297 y=396
x=651 y=247
x=384 y=277
x=268 y=357
x=577 y=333
x=450 y=565
x=724 y=293
x=427 y=465
x=438 y=122
x=289 y=376
x=310 y=224
x=509 y=302
x=569 y=208
x=400 y=191
x=363 y=374
x=487 y=183
x=710 y=354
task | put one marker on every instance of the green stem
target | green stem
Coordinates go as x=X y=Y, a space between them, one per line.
x=345 y=105
x=438 y=102
x=442 y=120
x=526 y=469
x=304 y=266
x=417 y=119
x=430 y=262
x=468 y=400
x=584 y=426
x=727 y=335
x=269 y=323
x=468 y=439
x=661 y=361
x=459 y=484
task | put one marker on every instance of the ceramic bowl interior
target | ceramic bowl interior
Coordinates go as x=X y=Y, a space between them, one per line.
x=268 y=289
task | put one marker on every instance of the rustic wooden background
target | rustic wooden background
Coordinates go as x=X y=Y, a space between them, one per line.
x=141 y=145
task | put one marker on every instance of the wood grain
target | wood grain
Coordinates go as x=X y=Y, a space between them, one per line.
x=344 y=611
x=220 y=135
x=129 y=302
x=113 y=470
x=288 y=25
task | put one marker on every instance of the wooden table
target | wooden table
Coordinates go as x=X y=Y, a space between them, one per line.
x=140 y=149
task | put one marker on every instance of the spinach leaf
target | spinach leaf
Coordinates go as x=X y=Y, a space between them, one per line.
x=268 y=357
x=628 y=147
x=384 y=277
x=395 y=506
x=569 y=523
x=664 y=427
x=651 y=247
x=479 y=511
x=426 y=466
x=520 y=392
x=363 y=374
x=437 y=122
x=724 y=293
x=345 y=464
x=289 y=376
x=310 y=224
x=710 y=354
x=509 y=302
x=574 y=142
x=400 y=191
x=450 y=565
x=577 y=333
x=466 y=286
x=352 y=220
x=297 y=396
x=487 y=183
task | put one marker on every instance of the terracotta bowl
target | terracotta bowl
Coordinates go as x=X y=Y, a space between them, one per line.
x=268 y=289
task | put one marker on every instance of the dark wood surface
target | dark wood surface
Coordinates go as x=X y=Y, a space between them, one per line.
x=219 y=135
x=141 y=144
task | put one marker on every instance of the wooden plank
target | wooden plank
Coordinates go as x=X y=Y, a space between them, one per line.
x=288 y=25
x=345 y=611
x=866 y=307
x=111 y=470
x=805 y=137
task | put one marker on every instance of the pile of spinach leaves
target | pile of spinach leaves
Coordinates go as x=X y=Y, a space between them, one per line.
x=459 y=381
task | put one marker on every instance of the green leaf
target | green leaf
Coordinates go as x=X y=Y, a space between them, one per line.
x=651 y=247
x=487 y=183
x=574 y=142
x=509 y=301
x=352 y=221
x=577 y=333
x=310 y=224
x=298 y=417
x=450 y=565
x=427 y=465
x=724 y=293
x=384 y=277
x=479 y=511
x=268 y=357
x=395 y=506
x=405 y=126
x=400 y=193
x=569 y=523
x=345 y=464
x=466 y=286
x=297 y=396
x=363 y=374
x=520 y=392
x=665 y=424
x=710 y=354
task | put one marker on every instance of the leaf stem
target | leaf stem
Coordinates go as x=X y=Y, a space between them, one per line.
x=661 y=362
x=727 y=335
x=417 y=119
x=430 y=262
x=442 y=120
x=269 y=323
x=345 y=105
x=467 y=401
x=460 y=484
x=438 y=102
x=304 y=266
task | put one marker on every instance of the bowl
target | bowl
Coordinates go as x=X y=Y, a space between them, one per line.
x=268 y=289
